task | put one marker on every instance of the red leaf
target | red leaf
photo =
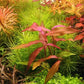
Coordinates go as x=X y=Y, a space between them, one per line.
x=33 y=27
x=82 y=20
x=83 y=40
x=78 y=25
x=61 y=31
x=58 y=26
x=50 y=44
x=38 y=63
x=43 y=37
x=27 y=45
x=33 y=56
x=78 y=5
x=79 y=37
x=36 y=27
x=52 y=71
x=81 y=55
x=82 y=30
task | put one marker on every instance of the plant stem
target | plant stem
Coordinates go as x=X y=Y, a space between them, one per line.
x=53 y=43
x=45 y=51
x=49 y=50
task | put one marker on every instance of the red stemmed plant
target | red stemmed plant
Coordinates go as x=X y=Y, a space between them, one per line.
x=43 y=33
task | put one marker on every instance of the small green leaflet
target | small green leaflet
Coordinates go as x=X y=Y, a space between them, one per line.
x=66 y=54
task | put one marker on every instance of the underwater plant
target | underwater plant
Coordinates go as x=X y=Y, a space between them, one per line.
x=68 y=6
x=8 y=20
x=54 y=33
x=77 y=23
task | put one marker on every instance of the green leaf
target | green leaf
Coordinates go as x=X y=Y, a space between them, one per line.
x=66 y=54
x=22 y=63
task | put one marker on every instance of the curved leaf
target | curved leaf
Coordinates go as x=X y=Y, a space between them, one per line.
x=38 y=63
x=52 y=71
x=33 y=56
x=33 y=27
x=79 y=37
x=53 y=45
x=27 y=45
x=61 y=31
x=58 y=26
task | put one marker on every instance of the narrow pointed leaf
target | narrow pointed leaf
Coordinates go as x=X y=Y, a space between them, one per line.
x=52 y=71
x=33 y=56
x=38 y=63
x=58 y=26
x=82 y=56
x=33 y=27
x=79 y=37
x=28 y=44
x=61 y=31
x=53 y=45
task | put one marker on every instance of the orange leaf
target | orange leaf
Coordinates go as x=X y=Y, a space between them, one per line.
x=52 y=71
x=78 y=25
x=38 y=63
x=82 y=56
x=61 y=31
x=79 y=37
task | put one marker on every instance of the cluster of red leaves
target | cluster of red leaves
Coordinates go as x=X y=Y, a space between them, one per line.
x=43 y=33
x=77 y=23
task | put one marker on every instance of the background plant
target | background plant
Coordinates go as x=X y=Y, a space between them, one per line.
x=7 y=20
x=65 y=55
x=69 y=6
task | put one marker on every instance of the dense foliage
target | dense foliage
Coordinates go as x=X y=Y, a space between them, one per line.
x=38 y=35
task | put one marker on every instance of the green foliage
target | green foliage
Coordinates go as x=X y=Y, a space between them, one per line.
x=71 y=56
x=16 y=56
x=57 y=79
x=28 y=13
x=34 y=12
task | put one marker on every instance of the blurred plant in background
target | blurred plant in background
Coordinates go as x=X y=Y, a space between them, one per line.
x=68 y=6
x=8 y=20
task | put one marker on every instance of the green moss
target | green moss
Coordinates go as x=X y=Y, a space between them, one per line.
x=57 y=79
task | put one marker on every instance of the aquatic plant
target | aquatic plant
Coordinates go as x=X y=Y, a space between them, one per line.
x=54 y=33
x=9 y=74
x=69 y=6
x=8 y=20
x=58 y=78
x=77 y=23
